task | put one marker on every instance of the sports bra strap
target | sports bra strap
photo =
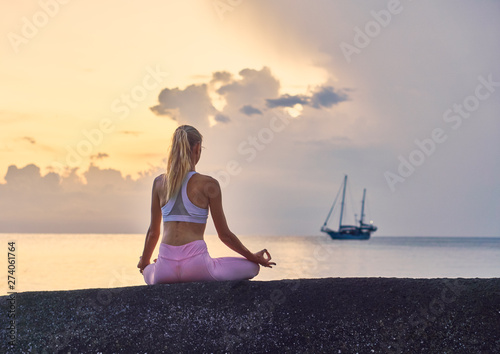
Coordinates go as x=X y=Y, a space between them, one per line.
x=180 y=208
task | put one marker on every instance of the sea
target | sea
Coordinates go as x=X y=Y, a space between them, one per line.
x=47 y=262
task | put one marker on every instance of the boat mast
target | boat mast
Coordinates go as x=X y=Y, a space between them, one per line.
x=333 y=206
x=362 y=208
x=330 y=213
x=343 y=199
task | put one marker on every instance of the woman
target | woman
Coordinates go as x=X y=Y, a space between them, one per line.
x=182 y=197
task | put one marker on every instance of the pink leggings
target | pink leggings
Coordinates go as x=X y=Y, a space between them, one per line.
x=191 y=262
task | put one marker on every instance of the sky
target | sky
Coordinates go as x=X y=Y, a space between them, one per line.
x=290 y=96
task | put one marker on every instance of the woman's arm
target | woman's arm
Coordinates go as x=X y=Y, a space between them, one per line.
x=154 y=227
x=226 y=236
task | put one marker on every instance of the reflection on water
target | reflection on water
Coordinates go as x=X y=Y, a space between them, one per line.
x=74 y=261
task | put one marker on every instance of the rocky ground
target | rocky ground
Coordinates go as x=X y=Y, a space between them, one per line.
x=332 y=315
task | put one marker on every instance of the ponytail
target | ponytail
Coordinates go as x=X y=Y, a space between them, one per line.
x=179 y=160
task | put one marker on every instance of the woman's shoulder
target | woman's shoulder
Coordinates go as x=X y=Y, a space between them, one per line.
x=159 y=180
x=206 y=178
x=209 y=185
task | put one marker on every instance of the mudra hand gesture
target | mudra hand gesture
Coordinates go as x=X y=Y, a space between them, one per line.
x=263 y=258
x=142 y=264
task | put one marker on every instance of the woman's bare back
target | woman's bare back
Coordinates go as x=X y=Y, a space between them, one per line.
x=177 y=233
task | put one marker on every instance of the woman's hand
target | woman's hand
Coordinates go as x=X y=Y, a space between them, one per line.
x=142 y=264
x=263 y=258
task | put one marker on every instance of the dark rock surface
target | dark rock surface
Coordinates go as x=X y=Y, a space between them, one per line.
x=332 y=315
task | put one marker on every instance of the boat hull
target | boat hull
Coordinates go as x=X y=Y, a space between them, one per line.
x=350 y=232
x=347 y=236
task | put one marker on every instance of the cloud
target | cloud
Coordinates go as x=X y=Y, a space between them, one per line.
x=30 y=177
x=191 y=105
x=221 y=76
x=322 y=97
x=252 y=87
x=32 y=142
x=100 y=200
x=131 y=132
x=251 y=92
x=249 y=110
x=327 y=97
x=287 y=100
x=29 y=139
x=222 y=118
x=99 y=156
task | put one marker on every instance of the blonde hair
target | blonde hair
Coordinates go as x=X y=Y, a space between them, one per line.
x=179 y=160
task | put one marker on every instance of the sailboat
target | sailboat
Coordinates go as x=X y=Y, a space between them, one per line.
x=349 y=232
